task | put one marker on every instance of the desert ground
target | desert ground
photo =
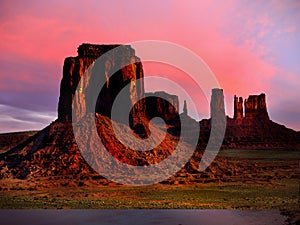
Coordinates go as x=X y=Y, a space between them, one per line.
x=271 y=182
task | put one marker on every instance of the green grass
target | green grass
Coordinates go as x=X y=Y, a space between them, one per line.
x=234 y=196
x=278 y=194
x=274 y=155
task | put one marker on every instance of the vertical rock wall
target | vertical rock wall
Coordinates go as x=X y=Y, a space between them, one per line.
x=163 y=105
x=75 y=67
x=238 y=107
x=255 y=106
x=217 y=108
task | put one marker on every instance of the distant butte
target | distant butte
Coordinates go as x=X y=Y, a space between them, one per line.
x=251 y=128
x=255 y=106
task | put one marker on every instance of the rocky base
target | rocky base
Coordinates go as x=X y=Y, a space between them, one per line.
x=53 y=154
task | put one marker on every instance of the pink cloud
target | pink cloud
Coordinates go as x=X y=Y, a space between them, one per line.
x=226 y=35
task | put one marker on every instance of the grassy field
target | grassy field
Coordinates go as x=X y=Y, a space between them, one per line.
x=279 y=194
x=268 y=155
x=223 y=196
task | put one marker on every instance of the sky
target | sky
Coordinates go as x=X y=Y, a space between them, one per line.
x=252 y=47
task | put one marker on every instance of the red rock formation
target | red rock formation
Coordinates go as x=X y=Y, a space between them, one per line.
x=255 y=106
x=238 y=107
x=54 y=152
x=185 y=111
x=163 y=105
x=10 y=140
x=75 y=67
x=217 y=108
x=254 y=131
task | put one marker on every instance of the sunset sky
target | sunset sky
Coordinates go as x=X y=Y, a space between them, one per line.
x=251 y=47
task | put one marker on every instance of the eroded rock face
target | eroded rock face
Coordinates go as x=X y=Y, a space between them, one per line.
x=164 y=105
x=185 y=111
x=74 y=68
x=255 y=106
x=238 y=107
x=217 y=108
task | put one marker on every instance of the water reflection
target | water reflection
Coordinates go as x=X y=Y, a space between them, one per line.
x=145 y=217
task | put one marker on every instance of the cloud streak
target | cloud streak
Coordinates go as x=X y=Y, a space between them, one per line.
x=19 y=119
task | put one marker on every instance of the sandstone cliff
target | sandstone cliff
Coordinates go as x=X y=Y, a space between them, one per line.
x=162 y=105
x=74 y=68
x=238 y=107
x=54 y=152
x=255 y=106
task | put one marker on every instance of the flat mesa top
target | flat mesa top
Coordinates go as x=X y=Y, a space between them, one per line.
x=96 y=50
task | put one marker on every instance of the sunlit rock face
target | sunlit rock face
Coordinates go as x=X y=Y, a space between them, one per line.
x=118 y=56
x=255 y=106
x=162 y=104
x=238 y=107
